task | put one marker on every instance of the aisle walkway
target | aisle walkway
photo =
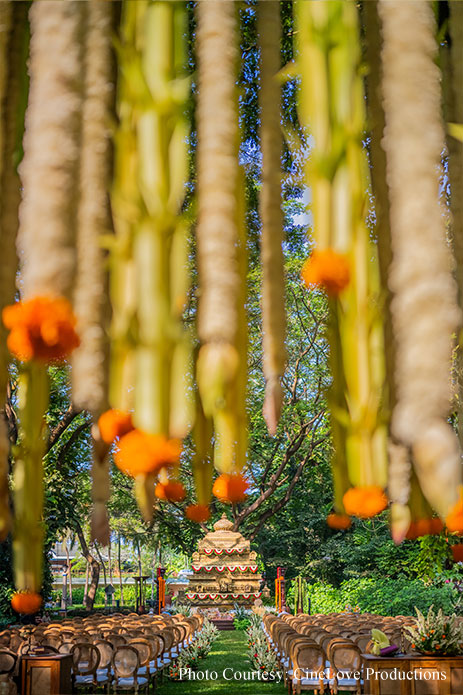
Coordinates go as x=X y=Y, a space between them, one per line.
x=226 y=666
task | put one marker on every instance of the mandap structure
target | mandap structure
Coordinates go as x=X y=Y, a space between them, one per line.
x=225 y=570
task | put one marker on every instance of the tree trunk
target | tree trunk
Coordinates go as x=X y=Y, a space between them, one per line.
x=119 y=568
x=104 y=572
x=110 y=564
x=68 y=562
x=139 y=558
x=86 y=584
x=94 y=566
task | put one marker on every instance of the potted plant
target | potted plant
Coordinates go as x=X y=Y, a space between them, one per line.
x=436 y=634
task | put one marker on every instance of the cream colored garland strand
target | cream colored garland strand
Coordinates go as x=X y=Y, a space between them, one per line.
x=220 y=361
x=273 y=278
x=89 y=362
x=51 y=149
x=424 y=309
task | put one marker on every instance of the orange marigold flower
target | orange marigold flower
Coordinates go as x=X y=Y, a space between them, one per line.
x=172 y=491
x=113 y=424
x=454 y=521
x=338 y=521
x=328 y=269
x=26 y=602
x=230 y=487
x=42 y=328
x=198 y=512
x=365 y=501
x=457 y=552
x=140 y=453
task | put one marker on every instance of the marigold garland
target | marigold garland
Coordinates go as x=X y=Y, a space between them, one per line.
x=171 y=491
x=328 y=269
x=230 y=487
x=457 y=552
x=365 y=502
x=113 y=424
x=41 y=328
x=454 y=520
x=26 y=602
x=338 y=521
x=140 y=453
x=198 y=512
x=424 y=527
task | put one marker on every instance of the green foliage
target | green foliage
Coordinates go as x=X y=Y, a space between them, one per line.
x=381 y=596
x=241 y=623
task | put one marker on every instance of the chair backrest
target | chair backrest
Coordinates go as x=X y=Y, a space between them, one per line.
x=144 y=650
x=85 y=658
x=106 y=650
x=168 y=637
x=125 y=662
x=310 y=657
x=345 y=656
x=5 y=637
x=361 y=641
x=7 y=661
x=115 y=639
x=66 y=647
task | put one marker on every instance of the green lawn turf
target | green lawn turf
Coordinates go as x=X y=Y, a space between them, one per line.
x=229 y=651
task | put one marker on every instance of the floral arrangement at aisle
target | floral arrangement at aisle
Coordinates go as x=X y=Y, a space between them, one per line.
x=260 y=655
x=436 y=634
x=199 y=649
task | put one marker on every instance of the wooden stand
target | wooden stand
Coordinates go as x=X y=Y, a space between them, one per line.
x=412 y=675
x=49 y=674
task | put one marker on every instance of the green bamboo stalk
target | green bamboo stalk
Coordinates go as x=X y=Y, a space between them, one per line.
x=150 y=276
x=332 y=106
x=28 y=534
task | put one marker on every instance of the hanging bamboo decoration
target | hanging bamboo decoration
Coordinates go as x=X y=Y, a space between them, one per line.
x=273 y=278
x=424 y=309
x=150 y=257
x=89 y=363
x=9 y=262
x=221 y=365
x=42 y=326
x=343 y=262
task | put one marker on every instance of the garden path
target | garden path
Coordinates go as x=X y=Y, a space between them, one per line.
x=228 y=659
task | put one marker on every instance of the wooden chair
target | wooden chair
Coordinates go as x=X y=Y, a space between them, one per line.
x=145 y=654
x=103 y=672
x=85 y=661
x=125 y=663
x=345 y=656
x=308 y=668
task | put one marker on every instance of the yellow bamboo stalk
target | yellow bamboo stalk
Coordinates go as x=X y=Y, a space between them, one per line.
x=150 y=265
x=424 y=309
x=332 y=107
x=222 y=360
x=273 y=278
x=29 y=526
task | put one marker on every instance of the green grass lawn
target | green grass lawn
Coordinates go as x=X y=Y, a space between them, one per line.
x=229 y=655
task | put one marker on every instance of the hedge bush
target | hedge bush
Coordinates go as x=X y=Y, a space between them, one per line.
x=381 y=596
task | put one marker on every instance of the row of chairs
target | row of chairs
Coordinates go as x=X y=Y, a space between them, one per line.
x=322 y=653
x=122 y=652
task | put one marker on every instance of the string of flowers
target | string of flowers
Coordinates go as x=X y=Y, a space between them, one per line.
x=424 y=309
